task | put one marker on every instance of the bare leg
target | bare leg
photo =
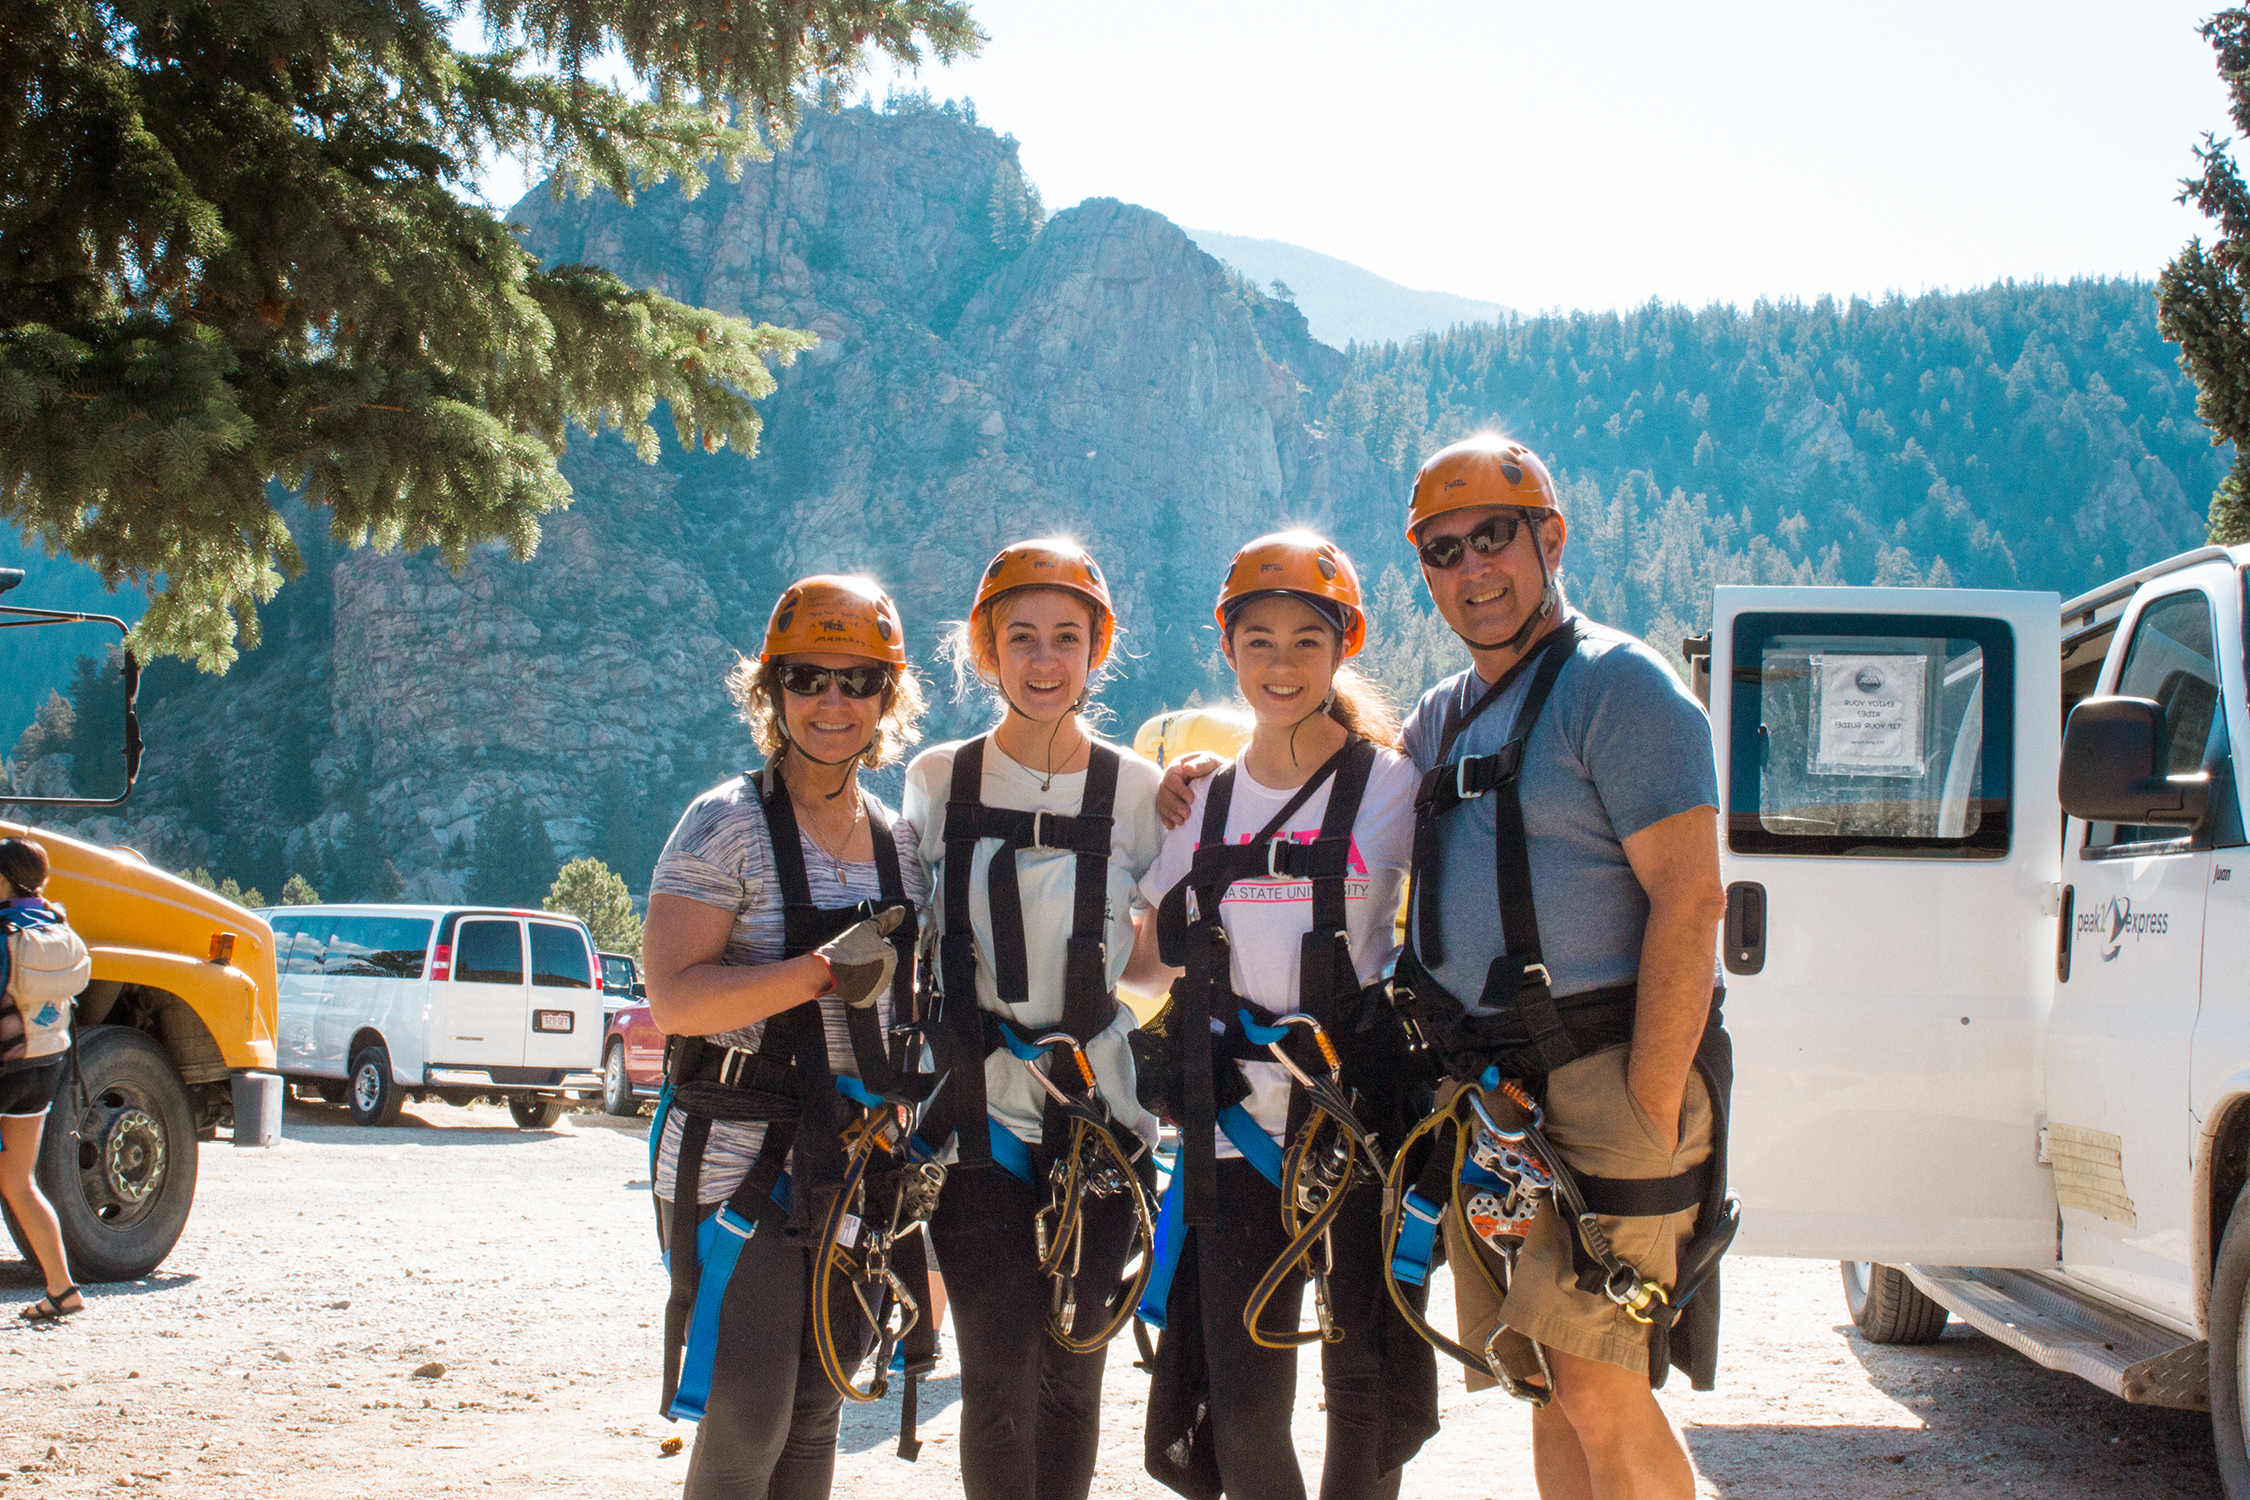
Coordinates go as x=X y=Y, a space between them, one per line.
x=19 y=1154
x=1604 y=1437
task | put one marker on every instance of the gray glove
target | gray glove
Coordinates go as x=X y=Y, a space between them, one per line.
x=862 y=959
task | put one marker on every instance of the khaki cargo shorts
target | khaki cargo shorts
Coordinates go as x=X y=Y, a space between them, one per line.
x=1601 y=1130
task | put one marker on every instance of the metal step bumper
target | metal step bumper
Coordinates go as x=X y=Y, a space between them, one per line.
x=2061 y=1328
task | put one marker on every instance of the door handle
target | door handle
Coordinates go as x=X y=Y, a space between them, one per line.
x=2067 y=920
x=1745 y=927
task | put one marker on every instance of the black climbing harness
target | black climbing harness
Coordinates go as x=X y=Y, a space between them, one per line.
x=1495 y=1176
x=1094 y=1157
x=1343 y=1038
x=836 y=1163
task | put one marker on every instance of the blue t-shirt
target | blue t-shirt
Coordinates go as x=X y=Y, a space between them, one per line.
x=1621 y=745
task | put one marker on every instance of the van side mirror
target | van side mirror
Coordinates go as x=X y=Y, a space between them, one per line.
x=2112 y=767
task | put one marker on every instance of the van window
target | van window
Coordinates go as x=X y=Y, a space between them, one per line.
x=297 y=944
x=1883 y=736
x=558 y=957
x=2173 y=660
x=489 y=953
x=377 y=947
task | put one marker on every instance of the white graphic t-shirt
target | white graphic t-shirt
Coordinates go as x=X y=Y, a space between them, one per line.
x=1266 y=920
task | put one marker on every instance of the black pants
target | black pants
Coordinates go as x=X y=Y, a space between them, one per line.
x=1253 y=1389
x=1030 y=1410
x=769 y=1428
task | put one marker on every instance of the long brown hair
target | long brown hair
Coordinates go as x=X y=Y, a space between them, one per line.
x=1356 y=700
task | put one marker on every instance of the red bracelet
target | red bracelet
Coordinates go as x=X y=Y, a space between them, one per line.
x=830 y=987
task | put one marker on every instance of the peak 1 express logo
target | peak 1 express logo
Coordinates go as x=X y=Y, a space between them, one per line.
x=2115 y=920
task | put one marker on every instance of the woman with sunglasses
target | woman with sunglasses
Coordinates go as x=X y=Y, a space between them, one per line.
x=1036 y=833
x=779 y=949
x=1276 y=899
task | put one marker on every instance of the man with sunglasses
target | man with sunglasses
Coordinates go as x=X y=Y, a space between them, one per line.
x=1563 y=934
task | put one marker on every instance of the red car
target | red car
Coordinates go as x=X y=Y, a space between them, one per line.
x=632 y=1060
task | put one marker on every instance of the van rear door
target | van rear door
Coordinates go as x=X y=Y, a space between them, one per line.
x=480 y=1015
x=565 y=1030
x=1887 y=765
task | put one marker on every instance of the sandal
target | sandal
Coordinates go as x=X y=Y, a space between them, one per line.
x=50 y=1309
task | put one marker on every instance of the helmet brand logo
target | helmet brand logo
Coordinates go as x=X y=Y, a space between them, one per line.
x=1269 y=567
x=1453 y=484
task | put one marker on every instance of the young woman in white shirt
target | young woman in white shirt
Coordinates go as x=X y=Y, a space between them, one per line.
x=1035 y=835
x=1299 y=849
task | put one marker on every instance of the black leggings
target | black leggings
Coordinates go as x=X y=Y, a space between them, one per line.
x=769 y=1428
x=1253 y=1388
x=1030 y=1410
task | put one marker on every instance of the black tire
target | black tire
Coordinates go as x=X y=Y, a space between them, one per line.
x=534 y=1113
x=1889 y=1309
x=2230 y=1352
x=617 y=1083
x=121 y=1172
x=375 y=1097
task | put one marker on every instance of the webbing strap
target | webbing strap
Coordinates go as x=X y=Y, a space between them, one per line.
x=1008 y=1152
x=1449 y=783
x=1249 y=1137
x=718 y=1245
x=1202 y=947
x=1088 y=1005
x=1171 y=1236
x=1417 y=1238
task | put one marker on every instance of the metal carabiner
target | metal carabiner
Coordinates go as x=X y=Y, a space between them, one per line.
x=1328 y=1051
x=1484 y=1118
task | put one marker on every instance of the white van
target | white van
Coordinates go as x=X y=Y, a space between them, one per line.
x=382 y=1002
x=1987 y=933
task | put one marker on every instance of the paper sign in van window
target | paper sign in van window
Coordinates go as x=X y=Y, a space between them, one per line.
x=553 y=1020
x=1868 y=715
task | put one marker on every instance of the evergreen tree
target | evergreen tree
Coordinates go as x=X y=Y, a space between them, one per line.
x=97 y=734
x=237 y=251
x=299 y=892
x=2203 y=297
x=512 y=857
x=592 y=892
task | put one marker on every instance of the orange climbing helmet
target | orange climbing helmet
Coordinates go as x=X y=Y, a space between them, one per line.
x=1051 y=563
x=1486 y=469
x=832 y=613
x=1307 y=565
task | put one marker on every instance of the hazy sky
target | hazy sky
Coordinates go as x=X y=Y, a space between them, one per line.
x=1592 y=156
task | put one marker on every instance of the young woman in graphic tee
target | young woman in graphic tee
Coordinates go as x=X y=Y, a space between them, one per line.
x=1304 y=857
x=1035 y=834
x=766 y=1006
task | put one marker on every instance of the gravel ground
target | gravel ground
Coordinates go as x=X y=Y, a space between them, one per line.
x=276 y=1354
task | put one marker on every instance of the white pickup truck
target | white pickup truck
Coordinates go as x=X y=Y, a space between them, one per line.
x=1988 y=953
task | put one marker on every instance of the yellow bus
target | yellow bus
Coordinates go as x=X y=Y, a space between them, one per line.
x=173 y=1034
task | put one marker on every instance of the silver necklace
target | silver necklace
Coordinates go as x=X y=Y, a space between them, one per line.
x=835 y=860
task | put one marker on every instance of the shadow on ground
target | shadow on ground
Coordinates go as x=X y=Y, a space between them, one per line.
x=1993 y=1423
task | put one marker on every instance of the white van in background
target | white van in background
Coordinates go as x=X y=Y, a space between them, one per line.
x=379 y=1003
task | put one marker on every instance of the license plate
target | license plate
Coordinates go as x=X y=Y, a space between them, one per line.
x=553 y=1020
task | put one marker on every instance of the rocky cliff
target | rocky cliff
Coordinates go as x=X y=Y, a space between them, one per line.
x=980 y=377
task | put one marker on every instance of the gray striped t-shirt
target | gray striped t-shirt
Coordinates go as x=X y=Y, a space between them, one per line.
x=721 y=855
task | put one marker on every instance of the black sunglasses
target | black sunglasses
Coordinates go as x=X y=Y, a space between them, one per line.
x=802 y=681
x=1487 y=537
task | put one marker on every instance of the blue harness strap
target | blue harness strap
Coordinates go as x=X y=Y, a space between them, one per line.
x=1417 y=1239
x=718 y=1245
x=1258 y=1149
x=1008 y=1151
x=1250 y=1138
x=1164 y=1259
